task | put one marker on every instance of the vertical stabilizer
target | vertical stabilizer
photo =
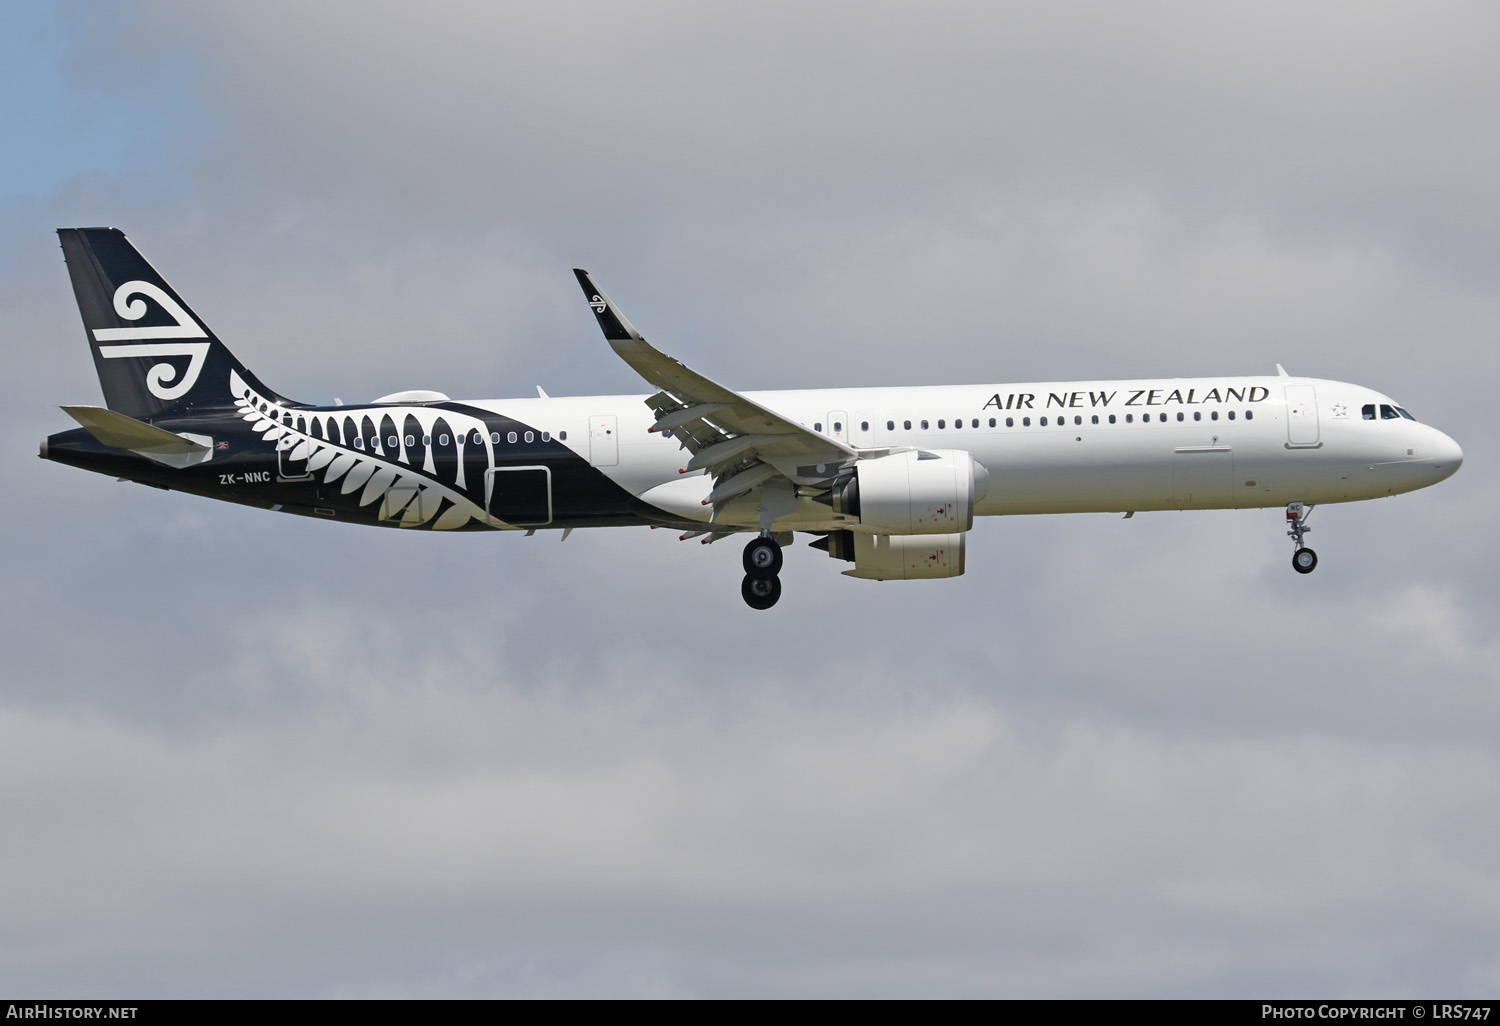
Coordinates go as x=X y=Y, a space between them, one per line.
x=152 y=352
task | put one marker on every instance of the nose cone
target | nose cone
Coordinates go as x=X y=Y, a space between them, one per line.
x=1447 y=457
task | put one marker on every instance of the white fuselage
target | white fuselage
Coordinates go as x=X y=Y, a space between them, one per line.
x=1061 y=447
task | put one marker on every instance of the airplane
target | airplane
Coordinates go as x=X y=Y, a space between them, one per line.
x=886 y=479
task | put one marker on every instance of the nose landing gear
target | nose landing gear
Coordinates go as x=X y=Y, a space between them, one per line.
x=1304 y=559
x=761 y=586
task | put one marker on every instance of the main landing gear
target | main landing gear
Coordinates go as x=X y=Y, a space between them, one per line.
x=1304 y=559
x=761 y=586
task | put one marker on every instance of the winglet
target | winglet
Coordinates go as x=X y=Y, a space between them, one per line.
x=611 y=321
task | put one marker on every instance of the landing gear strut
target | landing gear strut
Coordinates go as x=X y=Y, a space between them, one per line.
x=761 y=586
x=1304 y=559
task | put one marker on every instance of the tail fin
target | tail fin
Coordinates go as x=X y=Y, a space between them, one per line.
x=152 y=353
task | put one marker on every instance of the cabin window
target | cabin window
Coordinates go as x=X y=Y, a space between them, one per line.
x=426 y=439
x=410 y=441
x=359 y=443
x=511 y=438
x=562 y=436
x=546 y=436
x=1179 y=417
x=975 y=423
x=1010 y=422
x=1162 y=417
x=1231 y=414
x=442 y=439
x=818 y=425
x=1197 y=414
x=529 y=436
x=1026 y=422
x=958 y=424
x=495 y=437
x=864 y=425
x=838 y=426
x=992 y=422
x=924 y=425
x=1213 y=415
x=1111 y=418
x=906 y=424
x=1094 y=419
x=1130 y=418
x=942 y=424
x=1042 y=421
x=1249 y=414
x=890 y=425
x=1077 y=421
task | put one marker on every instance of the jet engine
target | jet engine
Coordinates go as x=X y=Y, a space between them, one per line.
x=912 y=492
x=897 y=557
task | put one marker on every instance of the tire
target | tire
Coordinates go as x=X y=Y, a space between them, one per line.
x=760 y=592
x=1304 y=561
x=762 y=558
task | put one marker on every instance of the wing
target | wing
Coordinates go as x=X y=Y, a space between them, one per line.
x=741 y=443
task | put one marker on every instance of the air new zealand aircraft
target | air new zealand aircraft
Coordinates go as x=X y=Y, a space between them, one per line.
x=886 y=479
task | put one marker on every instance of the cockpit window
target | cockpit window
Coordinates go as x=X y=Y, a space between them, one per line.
x=1388 y=412
x=1368 y=410
x=1403 y=413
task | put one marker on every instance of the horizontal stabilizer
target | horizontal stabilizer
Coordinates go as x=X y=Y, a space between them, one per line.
x=118 y=431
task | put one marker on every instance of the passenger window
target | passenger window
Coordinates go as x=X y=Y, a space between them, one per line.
x=511 y=438
x=1094 y=419
x=890 y=425
x=1043 y=422
x=1077 y=420
x=1213 y=415
x=546 y=436
x=1111 y=418
x=426 y=439
x=956 y=424
x=562 y=436
x=838 y=425
x=1368 y=411
x=1162 y=417
x=1179 y=418
x=410 y=441
x=1130 y=418
x=1009 y=422
x=442 y=439
x=924 y=425
x=529 y=436
x=359 y=443
x=1197 y=415
x=1231 y=414
x=1249 y=414
x=864 y=425
x=992 y=422
x=1026 y=422
x=818 y=426
x=906 y=424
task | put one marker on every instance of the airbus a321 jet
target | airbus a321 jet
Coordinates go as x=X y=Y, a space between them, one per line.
x=887 y=480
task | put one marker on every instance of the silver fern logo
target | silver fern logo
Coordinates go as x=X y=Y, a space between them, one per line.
x=165 y=380
x=409 y=495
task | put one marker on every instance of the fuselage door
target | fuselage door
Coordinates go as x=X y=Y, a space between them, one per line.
x=837 y=426
x=520 y=496
x=292 y=452
x=407 y=504
x=604 y=441
x=1301 y=416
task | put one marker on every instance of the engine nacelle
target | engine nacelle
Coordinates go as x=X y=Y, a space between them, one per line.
x=906 y=557
x=913 y=492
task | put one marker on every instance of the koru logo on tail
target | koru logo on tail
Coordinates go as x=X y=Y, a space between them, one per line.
x=598 y=305
x=166 y=381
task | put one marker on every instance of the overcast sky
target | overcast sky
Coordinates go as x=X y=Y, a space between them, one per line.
x=251 y=755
